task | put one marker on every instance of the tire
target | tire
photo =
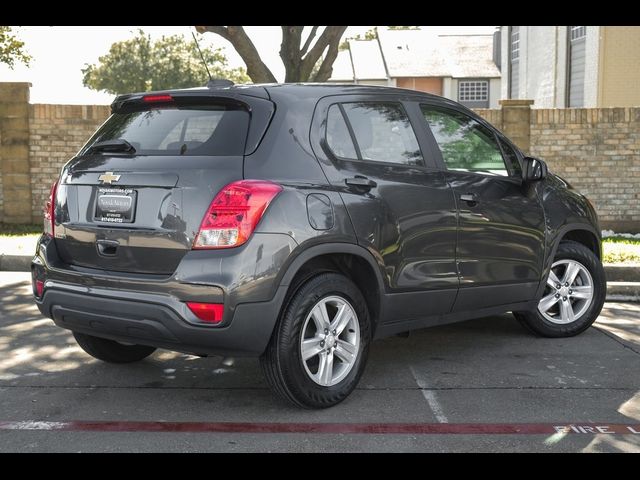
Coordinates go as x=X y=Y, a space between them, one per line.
x=557 y=321
x=302 y=382
x=110 y=350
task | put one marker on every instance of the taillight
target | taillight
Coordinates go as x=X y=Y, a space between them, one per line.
x=234 y=213
x=50 y=211
x=157 y=98
x=207 y=312
x=39 y=288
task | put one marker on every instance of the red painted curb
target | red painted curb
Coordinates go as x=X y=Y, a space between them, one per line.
x=331 y=428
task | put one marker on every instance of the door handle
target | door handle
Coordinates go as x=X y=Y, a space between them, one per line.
x=470 y=198
x=361 y=182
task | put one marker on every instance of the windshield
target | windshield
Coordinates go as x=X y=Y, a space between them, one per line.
x=202 y=130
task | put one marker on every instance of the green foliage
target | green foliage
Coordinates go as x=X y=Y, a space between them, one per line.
x=621 y=250
x=371 y=34
x=141 y=65
x=11 y=49
x=465 y=145
x=16 y=230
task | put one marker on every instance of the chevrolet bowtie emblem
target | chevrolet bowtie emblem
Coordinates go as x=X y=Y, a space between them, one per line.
x=109 y=178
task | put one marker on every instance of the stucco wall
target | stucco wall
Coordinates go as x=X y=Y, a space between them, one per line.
x=620 y=67
x=423 y=84
x=543 y=64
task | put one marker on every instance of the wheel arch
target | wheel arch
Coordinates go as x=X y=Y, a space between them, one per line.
x=353 y=261
x=582 y=233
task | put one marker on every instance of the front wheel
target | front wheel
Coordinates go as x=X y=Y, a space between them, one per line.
x=573 y=296
x=319 y=348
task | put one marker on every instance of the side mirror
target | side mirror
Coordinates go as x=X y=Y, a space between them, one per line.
x=533 y=169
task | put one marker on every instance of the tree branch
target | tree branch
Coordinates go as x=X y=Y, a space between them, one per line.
x=326 y=67
x=307 y=44
x=256 y=68
x=330 y=35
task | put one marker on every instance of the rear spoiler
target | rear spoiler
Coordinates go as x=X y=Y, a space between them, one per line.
x=259 y=107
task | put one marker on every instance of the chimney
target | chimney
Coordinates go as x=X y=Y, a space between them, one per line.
x=497 y=43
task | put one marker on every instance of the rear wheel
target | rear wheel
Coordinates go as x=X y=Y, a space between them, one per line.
x=573 y=296
x=110 y=350
x=319 y=348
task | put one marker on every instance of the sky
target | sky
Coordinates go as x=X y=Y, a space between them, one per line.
x=59 y=54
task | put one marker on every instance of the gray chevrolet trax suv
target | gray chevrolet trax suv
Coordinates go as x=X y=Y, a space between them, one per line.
x=298 y=223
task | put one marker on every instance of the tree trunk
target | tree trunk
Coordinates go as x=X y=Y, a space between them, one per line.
x=298 y=61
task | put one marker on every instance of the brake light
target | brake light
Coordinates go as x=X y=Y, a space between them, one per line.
x=234 y=213
x=39 y=288
x=50 y=211
x=157 y=98
x=207 y=312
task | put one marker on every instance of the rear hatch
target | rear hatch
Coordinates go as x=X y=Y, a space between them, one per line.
x=134 y=197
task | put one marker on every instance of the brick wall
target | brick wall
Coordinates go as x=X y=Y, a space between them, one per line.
x=57 y=132
x=596 y=149
x=14 y=151
x=1 y=191
x=598 y=152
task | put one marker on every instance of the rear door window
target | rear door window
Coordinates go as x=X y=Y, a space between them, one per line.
x=338 y=136
x=382 y=133
x=207 y=130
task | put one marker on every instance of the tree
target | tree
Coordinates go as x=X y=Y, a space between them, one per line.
x=371 y=34
x=12 y=49
x=140 y=65
x=303 y=62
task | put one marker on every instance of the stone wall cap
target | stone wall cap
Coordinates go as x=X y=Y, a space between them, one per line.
x=515 y=103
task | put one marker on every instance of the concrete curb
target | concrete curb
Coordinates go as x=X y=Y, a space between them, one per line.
x=622 y=273
x=15 y=263
x=623 y=281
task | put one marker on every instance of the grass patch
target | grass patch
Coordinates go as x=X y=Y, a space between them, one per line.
x=10 y=230
x=621 y=250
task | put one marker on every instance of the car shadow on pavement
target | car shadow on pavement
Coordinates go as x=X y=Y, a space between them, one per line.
x=45 y=370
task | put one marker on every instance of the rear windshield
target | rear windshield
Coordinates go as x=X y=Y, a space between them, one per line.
x=202 y=130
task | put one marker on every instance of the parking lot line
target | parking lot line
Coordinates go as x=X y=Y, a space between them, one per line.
x=430 y=396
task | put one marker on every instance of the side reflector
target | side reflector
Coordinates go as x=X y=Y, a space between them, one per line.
x=207 y=312
x=50 y=211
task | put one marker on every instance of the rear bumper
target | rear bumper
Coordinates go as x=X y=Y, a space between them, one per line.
x=151 y=309
x=160 y=322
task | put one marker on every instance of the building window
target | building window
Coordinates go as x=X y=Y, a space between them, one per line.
x=515 y=43
x=576 y=66
x=578 y=32
x=473 y=91
x=514 y=62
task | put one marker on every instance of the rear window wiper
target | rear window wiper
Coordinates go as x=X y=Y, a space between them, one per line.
x=115 y=145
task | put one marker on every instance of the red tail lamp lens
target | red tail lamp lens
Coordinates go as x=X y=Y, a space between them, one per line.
x=234 y=213
x=39 y=288
x=207 y=312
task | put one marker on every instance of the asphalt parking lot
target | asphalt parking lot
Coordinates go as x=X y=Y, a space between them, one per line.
x=482 y=385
